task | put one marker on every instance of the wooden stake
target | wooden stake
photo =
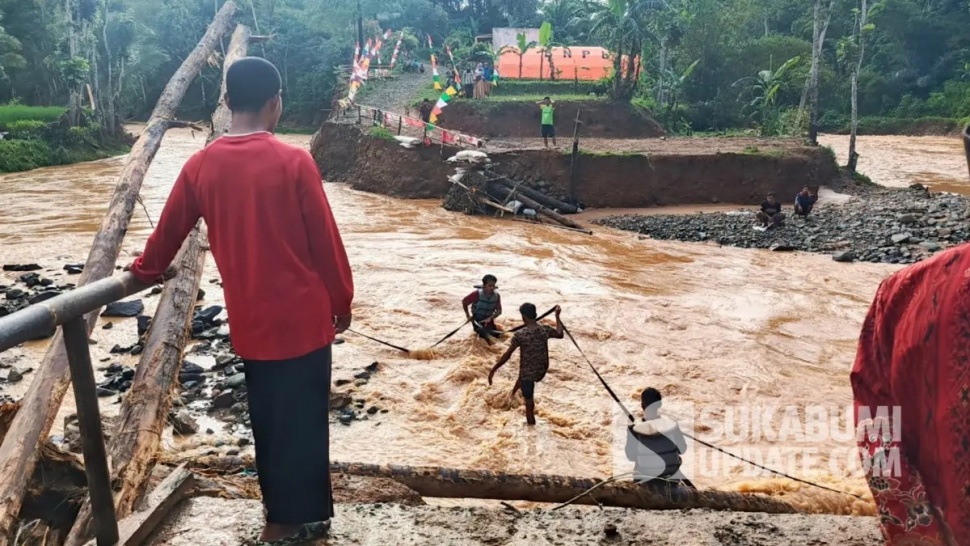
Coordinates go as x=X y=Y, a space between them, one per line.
x=138 y=430
x=19 y=451
x=572 y=160
x=175 y=488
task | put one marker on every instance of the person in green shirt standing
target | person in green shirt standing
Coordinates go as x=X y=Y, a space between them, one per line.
x=548 y=129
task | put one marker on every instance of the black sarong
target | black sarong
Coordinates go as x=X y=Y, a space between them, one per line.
x=289 y=403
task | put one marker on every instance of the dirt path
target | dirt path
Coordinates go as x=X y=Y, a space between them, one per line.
x=665 y=146
x=218 y=522
x=395 y=94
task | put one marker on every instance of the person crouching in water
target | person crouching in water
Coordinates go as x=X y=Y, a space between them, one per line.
x=655 y=445
x=533 y=340
x=485 y=305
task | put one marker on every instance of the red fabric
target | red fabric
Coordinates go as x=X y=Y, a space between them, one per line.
x=284 y=268
x=913 y=354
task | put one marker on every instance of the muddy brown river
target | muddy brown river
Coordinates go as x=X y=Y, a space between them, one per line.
x=714 y=329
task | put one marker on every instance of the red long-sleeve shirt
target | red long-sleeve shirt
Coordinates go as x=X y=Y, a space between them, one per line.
x=284 y=268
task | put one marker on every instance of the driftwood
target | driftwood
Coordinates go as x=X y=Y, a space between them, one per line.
x=135 y=529
x=137 y=435
x=19 y=453
x=506 y=193
x=539 y=197
x=452 y=483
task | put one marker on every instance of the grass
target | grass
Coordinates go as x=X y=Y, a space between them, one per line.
x=10 y=113
x=381 y=132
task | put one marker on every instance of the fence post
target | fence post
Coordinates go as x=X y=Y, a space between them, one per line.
x=575 y=155
x=92 y=437
x=400 y=124
x=360 y=116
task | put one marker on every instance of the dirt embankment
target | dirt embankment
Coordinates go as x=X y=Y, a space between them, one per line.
x=378 y=165
x=600 y=119
x=646 y=173
x=654 y=180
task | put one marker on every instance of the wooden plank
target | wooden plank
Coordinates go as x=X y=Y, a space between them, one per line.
x=175 y=488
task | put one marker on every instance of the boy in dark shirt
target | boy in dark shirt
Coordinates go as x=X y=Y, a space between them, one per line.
x=269 y=218
x=533 y=340
x=770 y=214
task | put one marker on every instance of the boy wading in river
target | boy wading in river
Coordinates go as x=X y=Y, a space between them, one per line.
x=269 y=219
x=533 y=340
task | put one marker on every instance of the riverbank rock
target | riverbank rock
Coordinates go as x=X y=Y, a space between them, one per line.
x=126 y=309
x=879 y=225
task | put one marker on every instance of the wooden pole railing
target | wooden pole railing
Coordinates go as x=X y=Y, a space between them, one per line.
x=67 y=311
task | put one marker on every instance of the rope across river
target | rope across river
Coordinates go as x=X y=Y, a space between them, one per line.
x=620 y=403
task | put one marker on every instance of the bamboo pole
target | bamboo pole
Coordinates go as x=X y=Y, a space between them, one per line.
x=137 y=435
x=19 y=451
x=564 y=208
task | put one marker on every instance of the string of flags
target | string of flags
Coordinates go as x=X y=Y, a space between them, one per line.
x=443 y=101
x=452 y=138
x=397 y=49
x=362 y=60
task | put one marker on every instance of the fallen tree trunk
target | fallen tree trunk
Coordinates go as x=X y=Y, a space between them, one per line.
x=138 y=431
x=506 y=193
x=539 y=197
x=19 y=453
x=479 y=484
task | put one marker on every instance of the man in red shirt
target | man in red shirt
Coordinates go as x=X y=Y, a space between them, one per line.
x=483 y=306
x=287 y=283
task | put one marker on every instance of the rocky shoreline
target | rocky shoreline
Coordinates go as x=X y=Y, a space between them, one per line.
x=212 y=381
x=879 y=225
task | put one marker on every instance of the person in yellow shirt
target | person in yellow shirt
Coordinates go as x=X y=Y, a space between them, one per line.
x=548 y=127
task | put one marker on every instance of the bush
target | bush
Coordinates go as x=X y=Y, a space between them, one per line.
x=23 y=155
x=26 y=129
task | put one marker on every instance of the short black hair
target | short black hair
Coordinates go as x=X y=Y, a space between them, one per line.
x=771 y=194
x=528 y=310
x=489 y=278
x=649 y=397
x=545 y=98
x=250 y=83
x=427 y=100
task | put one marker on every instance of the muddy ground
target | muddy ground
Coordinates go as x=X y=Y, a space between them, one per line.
x=217 y=522
x=600 y=119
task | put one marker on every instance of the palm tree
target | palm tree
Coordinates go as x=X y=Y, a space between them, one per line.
x=764 y=90
x=618 y=23
x=520 y=49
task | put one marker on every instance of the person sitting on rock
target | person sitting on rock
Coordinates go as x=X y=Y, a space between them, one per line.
x=770 y=214
x=533 y=340
x=804 y=201
x=483 y=306
x=655 y=445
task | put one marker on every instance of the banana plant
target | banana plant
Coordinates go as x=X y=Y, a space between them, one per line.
x=520 y=49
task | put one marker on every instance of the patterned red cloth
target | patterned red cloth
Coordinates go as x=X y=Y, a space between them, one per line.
x=914 y=354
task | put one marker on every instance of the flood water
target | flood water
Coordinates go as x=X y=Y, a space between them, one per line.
x=711 y=327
